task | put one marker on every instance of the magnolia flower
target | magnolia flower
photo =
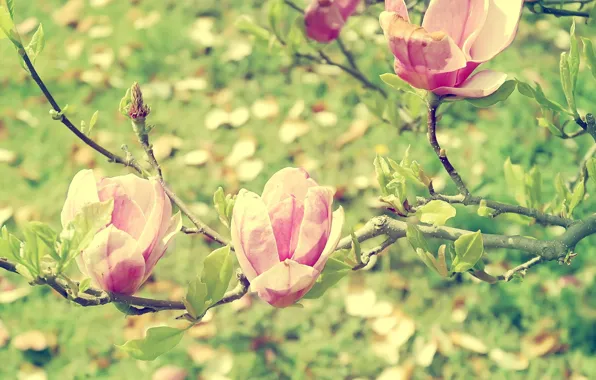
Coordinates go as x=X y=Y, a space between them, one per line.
x=122 y=255
x=455 y=38
x=325 y=18
x=284 y=237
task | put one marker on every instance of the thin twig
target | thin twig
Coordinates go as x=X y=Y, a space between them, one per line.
x=112 y=157
x=201 y=228
x=367 y=256
x=520 y=269
x=433 y=106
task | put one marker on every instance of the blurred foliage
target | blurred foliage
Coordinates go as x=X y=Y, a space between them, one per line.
x=216 y=95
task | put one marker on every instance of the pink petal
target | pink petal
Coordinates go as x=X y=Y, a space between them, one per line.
x=478 y=85
x=427 y=81
x=286 y=217
x=347 y=7
x=172 y=228
x=252 y=235
x=287 y=181
x=114 y=262
x=127 y=215
x=285 y=283
x=154 y=216
x=334 y=237
x=315 y=227
x=82 y=191
x=460 y=19
x=139 y=189
x=420 y=51
x=399 y=7
x=499 y=29
x=323 y=22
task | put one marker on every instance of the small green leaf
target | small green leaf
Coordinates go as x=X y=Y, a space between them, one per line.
x=525 y=89
x=591 y=166
x=84 y=285
x=334 y=271
x=296 y=35
x=578 y=195
x=547 y=103
x=561 y=188
x=217 y=272
x=356 y=250
x=7 y=28
x=416 y=238
x=395 y=82
x=436 y=212
x=483 y=209
x=573 y=59
x=469 y=249
x=439 y=266
x=566 y=82
x=125 y=103
x=81 y=230
x=46 y=236
x=245 y=24
x=545 y=123
x=196 y=300
x=590 y=55
x=276 y=10
x=500 y=95
x=220 y=202
x=515 y=179
x=534 y=188
x=158 y=341
x=382 y=172
x=10 y=5
x=93 y=122
x=36 y=44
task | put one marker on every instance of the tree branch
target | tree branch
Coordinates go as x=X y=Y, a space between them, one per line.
x=433 y=105
x=112 y=157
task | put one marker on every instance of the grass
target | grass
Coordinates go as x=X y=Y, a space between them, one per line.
x=324 y=340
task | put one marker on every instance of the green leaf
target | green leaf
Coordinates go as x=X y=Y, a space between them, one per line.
x=7 y=28
x=93 y=122
x=439 y=266
x=525 y=89
x=276 y=10
x=10 y=5
x=158 y=341
x=436 y=212
x=483 y=209
x=566 y=82
x=500 y=95
x=573 y=59
x=547 y=103
x=469 y=249
x=46 y=236
x=245 y=24
x=81 y=230
x=396 y=82
x=578 y=195
x=545 y=123
x=10 y=246
x=334 y=271
x=125 y=103
x=416 y=238
x=217 y=273
x=36 y=44
x=515 y=179
x=221 y=204
x=382 y=172
x=591 y=166
x=561 y=188
x=534 y=188
x=296 y=35
x=356 y=250
x=196 y=300
x=590 y=55
x=85 y=284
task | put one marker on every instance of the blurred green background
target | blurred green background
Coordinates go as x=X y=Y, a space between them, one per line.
x=230 y=111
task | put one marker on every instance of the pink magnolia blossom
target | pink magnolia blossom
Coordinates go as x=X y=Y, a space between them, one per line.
x=122 y=255
x=325 y=18
x=455 y=38
x=284 y=237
